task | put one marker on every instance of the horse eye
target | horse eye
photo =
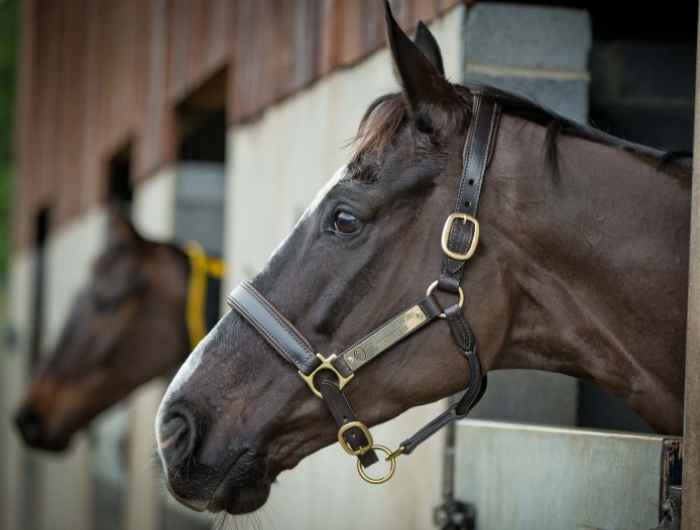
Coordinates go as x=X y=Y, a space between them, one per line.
x=346 y=223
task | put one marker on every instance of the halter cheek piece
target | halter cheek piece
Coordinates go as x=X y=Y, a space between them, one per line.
x=327 y=376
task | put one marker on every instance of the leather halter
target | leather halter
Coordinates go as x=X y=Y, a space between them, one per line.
x=327 y=376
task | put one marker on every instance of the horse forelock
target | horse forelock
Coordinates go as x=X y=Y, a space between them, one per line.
x=378 y=127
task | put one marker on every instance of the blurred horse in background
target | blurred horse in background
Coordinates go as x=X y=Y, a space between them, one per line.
x=145 y=306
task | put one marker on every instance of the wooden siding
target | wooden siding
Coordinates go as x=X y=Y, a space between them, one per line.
x=96 y=75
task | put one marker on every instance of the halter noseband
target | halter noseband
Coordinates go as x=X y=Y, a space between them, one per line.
x=327 y=376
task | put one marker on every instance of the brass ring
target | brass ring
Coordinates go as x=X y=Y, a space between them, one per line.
x=432 y=287
x=344 y=443
x=385 y=478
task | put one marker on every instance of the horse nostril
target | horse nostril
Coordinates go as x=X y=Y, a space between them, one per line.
x=30 y=425
x=177 y=436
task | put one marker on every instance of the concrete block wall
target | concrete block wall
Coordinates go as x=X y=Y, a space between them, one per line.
x=541 y=53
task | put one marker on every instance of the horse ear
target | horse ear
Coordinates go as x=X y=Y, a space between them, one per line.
x=427 y=43
x=120 y=228
x=421 y=81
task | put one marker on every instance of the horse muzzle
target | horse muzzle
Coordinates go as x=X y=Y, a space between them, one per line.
x=203 y=478
x=35 y=433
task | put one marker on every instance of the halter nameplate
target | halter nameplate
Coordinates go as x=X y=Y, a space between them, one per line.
x=385 y=337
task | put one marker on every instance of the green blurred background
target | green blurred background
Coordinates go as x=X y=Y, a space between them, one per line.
x=9 y=30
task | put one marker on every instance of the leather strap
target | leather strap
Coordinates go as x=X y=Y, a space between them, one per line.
x=476 y=155
x=284 y=337
x=341 y=410
x=279 y=332
x=477 y=149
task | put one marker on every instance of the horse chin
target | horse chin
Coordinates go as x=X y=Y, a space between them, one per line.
x=235 y=500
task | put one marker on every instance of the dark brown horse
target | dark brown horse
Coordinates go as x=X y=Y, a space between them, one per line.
x=581 y=269
x=126 y=327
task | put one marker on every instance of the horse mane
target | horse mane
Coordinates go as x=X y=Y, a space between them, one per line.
x=389 y=112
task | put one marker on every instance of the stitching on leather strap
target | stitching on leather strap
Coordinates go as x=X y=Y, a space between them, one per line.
x=275 y=314
x=271 y=339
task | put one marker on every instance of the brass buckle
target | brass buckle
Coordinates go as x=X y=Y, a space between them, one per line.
x=447 y=228
x=432 y=287
x=344 y=443
x=390 y=457
x=326 y=364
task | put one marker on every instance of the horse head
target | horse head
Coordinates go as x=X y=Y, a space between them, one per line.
x=539 y=292
x=236 y=414
x=125 y=327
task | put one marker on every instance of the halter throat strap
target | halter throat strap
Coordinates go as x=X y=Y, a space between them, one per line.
x=327 y=375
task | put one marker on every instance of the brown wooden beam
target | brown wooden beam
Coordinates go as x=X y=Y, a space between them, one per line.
x=691 y=432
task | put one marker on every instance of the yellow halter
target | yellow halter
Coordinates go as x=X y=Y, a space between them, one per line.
x=202 y=267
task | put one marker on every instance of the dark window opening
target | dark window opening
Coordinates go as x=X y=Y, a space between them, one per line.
x=201 y=166
x=204 y=136
x=201 y=122
x=41 y=234
x=120 y=188
x=633 y=22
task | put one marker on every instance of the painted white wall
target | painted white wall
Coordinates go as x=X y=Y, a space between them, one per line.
x=277 y=165
x=71 y=252
x=13 y=373
x=153 y=208
x=62 y=493
x=64 y=481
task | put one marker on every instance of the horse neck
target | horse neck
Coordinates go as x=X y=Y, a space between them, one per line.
x=602 y=265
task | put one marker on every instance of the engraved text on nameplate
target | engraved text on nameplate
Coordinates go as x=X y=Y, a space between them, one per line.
x=385 y=337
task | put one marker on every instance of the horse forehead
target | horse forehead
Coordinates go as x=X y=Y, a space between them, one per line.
x=313 y=206
x=325 y=190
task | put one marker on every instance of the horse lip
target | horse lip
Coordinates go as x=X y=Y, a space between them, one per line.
x=243 y=500
x=203 y=505
x=192 y=504
x=218 y=491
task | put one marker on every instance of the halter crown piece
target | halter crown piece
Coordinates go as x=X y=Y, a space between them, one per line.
x=327 y=376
